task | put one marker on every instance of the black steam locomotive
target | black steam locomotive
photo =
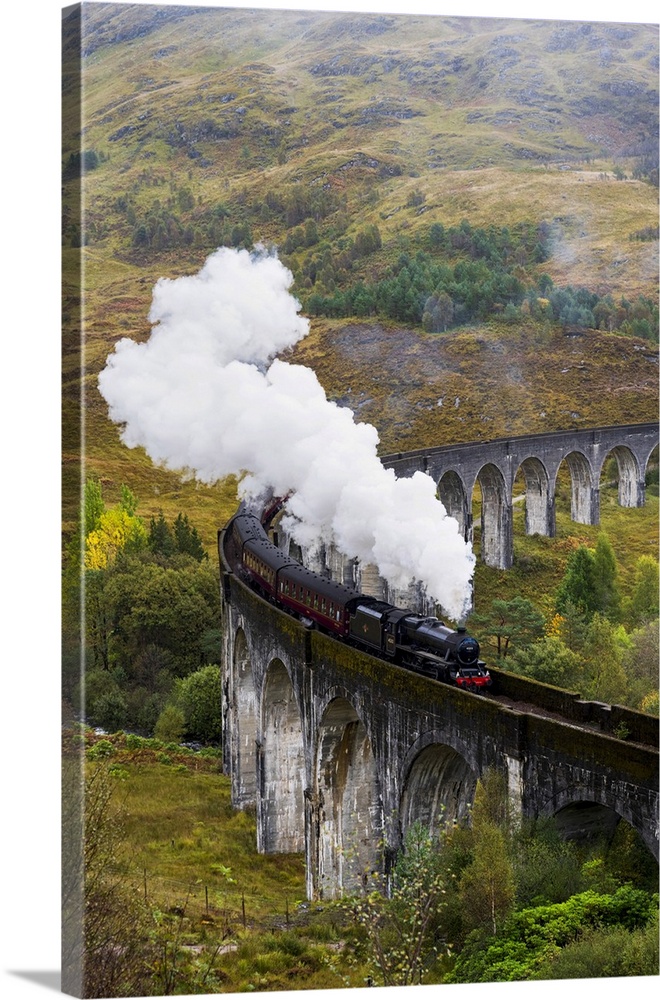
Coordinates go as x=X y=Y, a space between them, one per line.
x=423 y=644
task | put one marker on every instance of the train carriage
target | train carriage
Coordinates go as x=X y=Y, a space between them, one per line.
x=325 y=602
x=263 y=560
x=241 y=529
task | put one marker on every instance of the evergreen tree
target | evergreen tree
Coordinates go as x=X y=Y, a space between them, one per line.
x=436 y=236
x=608 y=596
x=187 y=538
x=514 y=623
x=572 y=627
x=644 y=601
x=578 y=586
x=161 y=539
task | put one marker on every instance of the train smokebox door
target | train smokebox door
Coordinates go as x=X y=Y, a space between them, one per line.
x=366 y=626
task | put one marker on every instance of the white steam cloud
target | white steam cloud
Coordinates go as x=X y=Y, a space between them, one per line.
x=204 y=395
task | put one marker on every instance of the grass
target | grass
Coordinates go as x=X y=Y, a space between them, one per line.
x=223 y=913
x=184 y=838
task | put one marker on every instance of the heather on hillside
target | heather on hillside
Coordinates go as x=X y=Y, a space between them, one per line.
x=465 y=180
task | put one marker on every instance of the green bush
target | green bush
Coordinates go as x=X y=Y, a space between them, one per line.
x=134 y=742
x=103 y=748
x=170 y=726
x=547 y=868
x=531 y=938
x=199 y=696
x=608 y=951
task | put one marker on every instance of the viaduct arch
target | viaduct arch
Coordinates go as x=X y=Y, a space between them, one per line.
x=494 y=466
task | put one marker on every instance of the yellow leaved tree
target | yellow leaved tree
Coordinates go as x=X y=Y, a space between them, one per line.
x=116 y=530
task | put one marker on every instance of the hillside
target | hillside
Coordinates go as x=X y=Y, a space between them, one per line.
x=309 y=132
x=423 y=389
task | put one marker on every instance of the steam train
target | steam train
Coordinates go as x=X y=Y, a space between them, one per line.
x=425 y=645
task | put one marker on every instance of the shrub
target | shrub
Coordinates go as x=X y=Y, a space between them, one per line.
x=171 y=725
x=103 y=748
x=134 y=742
x=608 y=951
x=532 y=937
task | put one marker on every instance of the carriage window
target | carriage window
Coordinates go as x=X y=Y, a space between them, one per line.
x=323 y=605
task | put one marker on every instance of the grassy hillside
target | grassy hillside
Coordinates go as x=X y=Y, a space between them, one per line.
x=184 y=886
x=424 y=389
x=203 y=127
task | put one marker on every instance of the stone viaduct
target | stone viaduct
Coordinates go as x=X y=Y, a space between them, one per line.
x=494 y=466
x=339 y=752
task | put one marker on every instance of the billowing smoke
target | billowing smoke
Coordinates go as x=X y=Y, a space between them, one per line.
x=204 y=395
